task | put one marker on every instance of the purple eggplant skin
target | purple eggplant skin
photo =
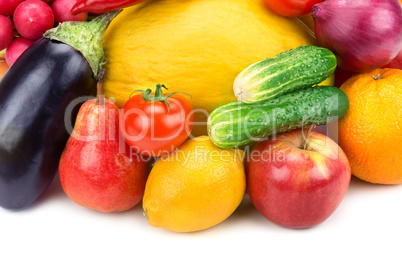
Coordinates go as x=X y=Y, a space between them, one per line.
x=34 y=95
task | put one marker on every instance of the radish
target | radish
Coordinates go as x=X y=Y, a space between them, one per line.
x=61 y=10
x=16 y=48
x=7 y=7
x=33 y=18
x=6 y=32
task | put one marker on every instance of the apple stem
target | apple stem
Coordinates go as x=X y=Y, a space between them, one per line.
x=306 y=140
x=100 y=97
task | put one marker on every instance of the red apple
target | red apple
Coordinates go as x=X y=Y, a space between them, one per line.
x=296 y=187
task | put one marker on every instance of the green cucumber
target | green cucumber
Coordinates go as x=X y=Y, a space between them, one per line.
x=288 y=71
x=237 y=123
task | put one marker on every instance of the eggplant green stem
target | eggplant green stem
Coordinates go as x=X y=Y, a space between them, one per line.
x=158 y=96
x=85 y=37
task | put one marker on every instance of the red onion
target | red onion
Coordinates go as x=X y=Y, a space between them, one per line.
x=364 y=34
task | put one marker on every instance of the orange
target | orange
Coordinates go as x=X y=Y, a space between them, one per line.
x=371 y=131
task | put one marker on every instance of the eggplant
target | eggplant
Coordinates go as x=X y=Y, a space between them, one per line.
x=35 y=94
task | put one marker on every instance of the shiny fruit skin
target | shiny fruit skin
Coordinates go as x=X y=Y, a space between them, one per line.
x=293 y=187
x=6 y=32
x=32 y=18
x=291 y=8
x=7 y=7
x=195 y=187
x=150 y=128
x=194 y=46
x=97 y=170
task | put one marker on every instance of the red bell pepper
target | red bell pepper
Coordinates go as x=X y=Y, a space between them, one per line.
x=101 y=6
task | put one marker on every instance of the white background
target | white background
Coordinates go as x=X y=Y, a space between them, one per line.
x=369 y=220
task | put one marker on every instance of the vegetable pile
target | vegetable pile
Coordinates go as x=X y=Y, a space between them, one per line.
x=263 y=141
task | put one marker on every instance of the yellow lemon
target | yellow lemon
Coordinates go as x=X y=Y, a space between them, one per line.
x=195 y=187
x=194 y=46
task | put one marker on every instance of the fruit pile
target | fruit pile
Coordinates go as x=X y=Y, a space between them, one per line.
x=188 y=109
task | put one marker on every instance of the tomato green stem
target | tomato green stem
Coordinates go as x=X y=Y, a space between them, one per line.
x=158 y=96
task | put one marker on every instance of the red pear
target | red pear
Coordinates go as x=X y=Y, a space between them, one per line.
x=96 y=168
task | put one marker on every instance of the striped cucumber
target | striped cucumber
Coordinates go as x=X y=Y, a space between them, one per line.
x=288 y=71
x=236 y=123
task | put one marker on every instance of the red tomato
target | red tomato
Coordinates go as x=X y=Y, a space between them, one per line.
x=291 y=8
x=151 y=128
